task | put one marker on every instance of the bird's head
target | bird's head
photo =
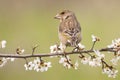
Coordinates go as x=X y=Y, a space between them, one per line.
x=65 y=14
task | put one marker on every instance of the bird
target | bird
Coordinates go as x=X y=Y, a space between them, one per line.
x=69 y=30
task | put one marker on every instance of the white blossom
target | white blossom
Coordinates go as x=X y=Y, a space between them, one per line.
x=37 y=60
x=67 y=65
x=3 y=61
x=11 y=59
x=41 y=65
x=115 y=44
x=57 y=48
x=62 y=60
x=110 y=72
x=76 y=65
x=47 y=65
x=29 y=66
x=66 y=62
x=97 y=52
x=91 y=61
x=113 y=73
x=20 y=51
x=94 y=62
x=106 y=70
x=61 y=48
x=3 y=43
x=81 y=47
x=84 y=60
x=53 y=49
x=115 y=60
x=95 y=38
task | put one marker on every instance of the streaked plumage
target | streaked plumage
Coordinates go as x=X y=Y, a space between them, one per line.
x=69 y=29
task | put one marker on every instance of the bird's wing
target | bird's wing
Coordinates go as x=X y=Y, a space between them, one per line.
x=71 y=32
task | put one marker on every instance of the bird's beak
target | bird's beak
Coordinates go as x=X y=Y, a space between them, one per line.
x=57 y=17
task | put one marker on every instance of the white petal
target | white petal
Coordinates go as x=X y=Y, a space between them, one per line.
x=3 y=44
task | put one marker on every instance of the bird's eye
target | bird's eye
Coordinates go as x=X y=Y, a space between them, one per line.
x=62 y=12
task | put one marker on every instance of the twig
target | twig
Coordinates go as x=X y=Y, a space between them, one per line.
x=93 y=45
x=34 y=48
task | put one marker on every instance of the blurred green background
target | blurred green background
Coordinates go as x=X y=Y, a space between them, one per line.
x=25 y=23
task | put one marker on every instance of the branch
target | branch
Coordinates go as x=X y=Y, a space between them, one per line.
x=94 y=60
x=52 y=54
